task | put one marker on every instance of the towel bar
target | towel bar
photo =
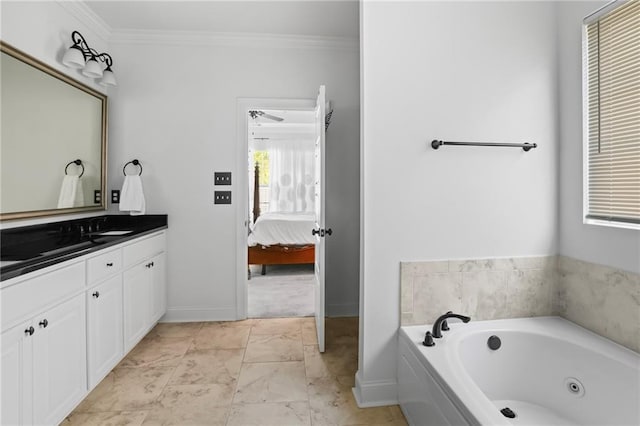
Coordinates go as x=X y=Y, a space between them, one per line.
x=77 y=162
x=135 y=163
x=435 y=144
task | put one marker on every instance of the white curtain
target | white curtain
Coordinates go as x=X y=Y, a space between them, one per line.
x=292 y=175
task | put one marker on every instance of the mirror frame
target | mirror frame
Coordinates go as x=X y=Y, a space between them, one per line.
x=36 y=63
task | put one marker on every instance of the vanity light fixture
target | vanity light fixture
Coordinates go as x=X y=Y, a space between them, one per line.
x=80 y=55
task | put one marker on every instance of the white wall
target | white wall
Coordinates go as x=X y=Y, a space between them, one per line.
x=473 y=71
x=175 y=110
x=614 y=247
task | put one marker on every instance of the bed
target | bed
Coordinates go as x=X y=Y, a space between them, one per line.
x=279 y=238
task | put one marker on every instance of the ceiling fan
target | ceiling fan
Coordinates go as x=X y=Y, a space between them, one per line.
x=256 y=113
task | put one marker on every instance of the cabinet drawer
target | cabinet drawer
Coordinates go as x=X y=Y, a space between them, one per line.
x=144 y=249
x=32 y=295
x=104 y=265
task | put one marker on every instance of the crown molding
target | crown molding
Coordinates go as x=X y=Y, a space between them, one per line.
x=88 y=17
x=255 y=40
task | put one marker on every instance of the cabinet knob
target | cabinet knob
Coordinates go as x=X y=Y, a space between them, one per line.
x=110 y=264
x=44 y=323
x=29 y=331
x=96 y=294
x=152 y=264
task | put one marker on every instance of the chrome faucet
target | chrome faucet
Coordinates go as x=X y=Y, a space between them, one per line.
x=438 y=325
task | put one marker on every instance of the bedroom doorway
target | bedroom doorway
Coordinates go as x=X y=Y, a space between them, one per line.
x=281 y=246
x=281 y=184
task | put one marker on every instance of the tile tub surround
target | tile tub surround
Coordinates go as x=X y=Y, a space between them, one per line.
x=482 y=288
x=602 y=299
x=236 y=373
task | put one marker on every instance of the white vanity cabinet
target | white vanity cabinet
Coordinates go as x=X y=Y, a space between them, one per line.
x=159 y=286
x=105 y=345
x=144 y=288
x=137 y=304
x=66 y=326
x=59 y=361
x=16 y=375
x=44 y=373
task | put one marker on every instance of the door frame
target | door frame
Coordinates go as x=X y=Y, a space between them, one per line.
x=241 y=184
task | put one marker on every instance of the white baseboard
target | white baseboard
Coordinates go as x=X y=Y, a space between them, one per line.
x=375 y=393
x=194 y=313
x=342 y=310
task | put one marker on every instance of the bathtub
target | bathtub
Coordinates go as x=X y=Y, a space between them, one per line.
x=547 y=371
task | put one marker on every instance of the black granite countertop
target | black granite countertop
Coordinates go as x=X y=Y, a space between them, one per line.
x=29 y=248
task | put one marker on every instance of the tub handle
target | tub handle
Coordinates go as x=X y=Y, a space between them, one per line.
x=428 y=339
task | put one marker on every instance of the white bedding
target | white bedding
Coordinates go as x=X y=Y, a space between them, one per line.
x=282 y=228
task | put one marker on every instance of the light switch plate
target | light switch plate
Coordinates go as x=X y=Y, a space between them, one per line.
x=115 y=196
x=222 y=178
x=222 y=197
x=97 y=196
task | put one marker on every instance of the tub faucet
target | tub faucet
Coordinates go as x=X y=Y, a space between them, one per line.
x=437 y=326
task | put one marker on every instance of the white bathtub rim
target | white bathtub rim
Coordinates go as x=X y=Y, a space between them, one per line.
x=470 y=400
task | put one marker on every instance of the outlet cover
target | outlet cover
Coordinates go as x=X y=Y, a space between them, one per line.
x=115 y=196
x=97 y=196
x=222 y=178
x=222 y=197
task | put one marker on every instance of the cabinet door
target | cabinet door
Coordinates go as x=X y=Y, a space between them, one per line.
x=104 y=325
x=158 y=287
x=137 y=304
x=59 y=361
x=16 y=375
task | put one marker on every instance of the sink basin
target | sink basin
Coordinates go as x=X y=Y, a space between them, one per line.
x=113 y=233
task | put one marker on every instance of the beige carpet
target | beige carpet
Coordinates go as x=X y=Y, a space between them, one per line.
x=285 y=291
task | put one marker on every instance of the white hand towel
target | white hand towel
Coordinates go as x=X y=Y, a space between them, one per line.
x=79 y=201
x=132 y=196
x=68 y=191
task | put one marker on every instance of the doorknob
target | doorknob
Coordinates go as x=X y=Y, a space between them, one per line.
x=321 y=232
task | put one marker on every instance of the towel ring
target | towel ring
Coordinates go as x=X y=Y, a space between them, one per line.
x=77 y=163
x=135 y=163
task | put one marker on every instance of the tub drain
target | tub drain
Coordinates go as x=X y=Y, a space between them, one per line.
x=574 y=386
x=508 y=412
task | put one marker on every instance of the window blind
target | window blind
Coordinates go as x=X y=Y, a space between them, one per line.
x=613 y=122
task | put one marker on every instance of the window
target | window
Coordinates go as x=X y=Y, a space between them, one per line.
x=612 y=107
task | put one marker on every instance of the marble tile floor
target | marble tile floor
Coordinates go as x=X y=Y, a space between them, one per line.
x=254 y=372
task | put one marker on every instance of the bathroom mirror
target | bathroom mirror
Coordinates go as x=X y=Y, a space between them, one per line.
x=48 y=121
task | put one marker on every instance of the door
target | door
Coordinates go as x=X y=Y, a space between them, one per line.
x=137 y=304
x=104 y=337
x=17 y=366
x=59 y=361
x=158 y=287
x=320 y=216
